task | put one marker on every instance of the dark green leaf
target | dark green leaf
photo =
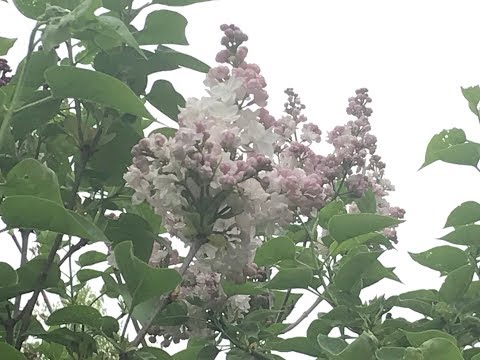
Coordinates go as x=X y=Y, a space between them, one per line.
x=299 y=277
x=347 y=245
x=464 y=235
x=177 y=2
x=230 y=288
x=466 y=213
x=298 y=344
x=472 y=94
x=8 y=276
x=8 y=352
x=5 y=45
x=110 y=326
x=440 y=349
x=30 y=177
x=85 y=275
x=33 y=117
x=353 y=269
x=76 y=314
x=390 y=353
x=166 y=99
x=333 y=208
x=71 y=82
x=42 y=214
x=462 y=154
x=363 y=347
x=418 y=338
x=457 y=283
x=367 y=203
x=343 y=227
x=118 y=27
x=110 y=162
x=158 y=354
x=143 y=282
x=274 y=250
x=28 y=275
x=91 y=257
x=163 y=27
x=331 y=346
x=175 y=58
x=442 y=141
x=131 y=227
x=442 y=258
x=66 y=23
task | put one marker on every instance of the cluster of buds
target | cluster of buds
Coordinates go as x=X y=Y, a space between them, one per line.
x=4 y=70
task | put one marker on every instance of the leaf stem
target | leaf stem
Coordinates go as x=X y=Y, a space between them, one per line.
x=304 y=315
x=4 y=127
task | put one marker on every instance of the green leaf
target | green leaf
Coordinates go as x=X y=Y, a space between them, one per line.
x=28 y=275
x=8 y=276
x=110 y=326
x=457 y=283
x=441 y=142
x=390 y=353
x=30 y=177
x=177 y=2
x=110 y=162
x=35 y=116
x=331 y=346
x=440 y=349
x=76 y=314
x=175 y=58
x=197 y=353
x=442 y=258
x=5 y=45
x=298 y=344
x=131 y=227
x=347 y=245
x=462 y=154
x=91 y=257
x=163 y=27
x=158 y=354
x=71 y=82
x=66 y=23
x=466 y=213
x=333 y=208
x=353 y=268
x=472 y=94
x=31 y=9
x=34 y=75
x=363 y=347
x=376 y=272
x=248 y=288
x=289 y=278
x=41 y=214
x=118 y=27
x=166 y=99
x=8 y=352
x=143 y=282
x=274 y=250
x=418 y=338
x=85 y=275
x=343 y=227
x=464 y=235
x=238 y=354
x=367 y=203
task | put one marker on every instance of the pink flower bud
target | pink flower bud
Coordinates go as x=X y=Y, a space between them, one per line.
x=222 y=56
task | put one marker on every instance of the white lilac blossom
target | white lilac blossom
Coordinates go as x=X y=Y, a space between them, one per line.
x=233 y=174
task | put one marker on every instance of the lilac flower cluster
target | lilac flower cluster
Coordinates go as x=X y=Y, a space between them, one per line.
x=4 y=70
x=234 y=173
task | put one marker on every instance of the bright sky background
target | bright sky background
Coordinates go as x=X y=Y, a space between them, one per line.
x=412 y=55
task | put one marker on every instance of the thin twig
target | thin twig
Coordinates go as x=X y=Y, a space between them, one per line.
x=73 y=249
x=304 y=315
x=47 y=302
x=165 y=300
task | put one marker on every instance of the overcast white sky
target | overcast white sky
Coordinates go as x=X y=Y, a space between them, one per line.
x=412 y=55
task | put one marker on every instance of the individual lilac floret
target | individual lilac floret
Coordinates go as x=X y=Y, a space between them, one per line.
x=4 y=70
